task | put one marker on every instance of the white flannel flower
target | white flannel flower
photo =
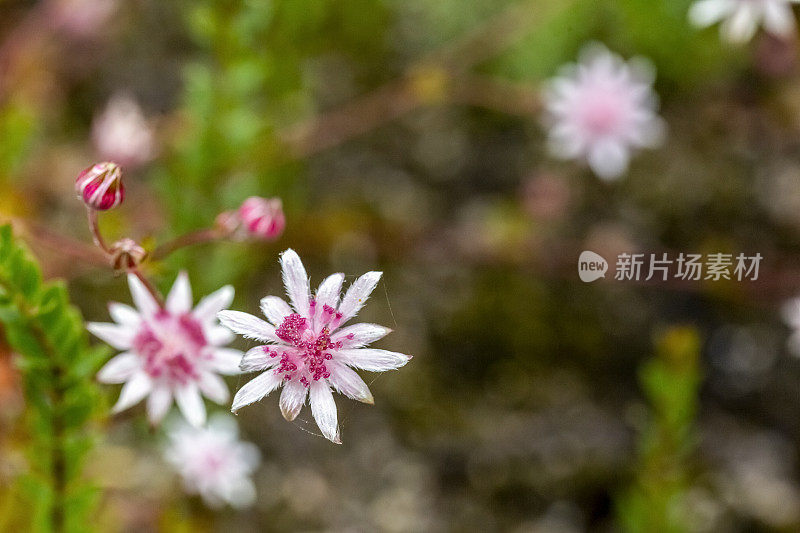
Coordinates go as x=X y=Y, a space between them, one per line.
x=213 y=462
x=171 y=352
x=307 y=350
x=741 y=18
x=602 y=109
x=791 y=315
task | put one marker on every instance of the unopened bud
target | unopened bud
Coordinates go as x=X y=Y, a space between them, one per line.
x=100 y=186
x=262 y=218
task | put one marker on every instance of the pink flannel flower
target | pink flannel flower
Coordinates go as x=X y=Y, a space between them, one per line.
x=601 y=110
x=263 y=218
x=169 y=353
x=308 y=352
x=100 y=186
x=213 y=462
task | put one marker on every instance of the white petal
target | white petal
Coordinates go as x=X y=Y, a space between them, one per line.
x=328 y=291
x=346 y=381
x=742 y=25
x=255 y=389
x=214 y=387
x=707 y=12
x=794 y=343
x=292 y=399
x=219 y=335
x=372 y=359
x=359 y=335
x=608 y=159
x=133 y=392
x=296 y=281
x=142 y=298
x=242 y=494
x=226 y=361
x=179 y=299
x=120 y=337
x=248 y=326
x=779 y=19
x=357 y=294
x=191 y=404
x=208 y=307
x=124 y=315
x=275 y=309
x=257 y=359
x=158 y=404
x=120 y=368
x=324 y=410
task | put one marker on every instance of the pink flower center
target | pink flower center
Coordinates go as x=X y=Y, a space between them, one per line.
x=601 y=113
x=311 y=349
x=171 y=347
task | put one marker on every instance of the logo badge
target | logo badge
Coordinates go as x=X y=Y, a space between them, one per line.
x=591 y=266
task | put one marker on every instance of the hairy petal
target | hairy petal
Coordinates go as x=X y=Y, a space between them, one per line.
x=346 y=381
x=275 y=309
x=257 y=359
x=357 y=294
x=324 y=410
x=158 y=404
x=292 y=399
x=296 y=281
x=248 y=326
x=120 y=337
x=359 y=335
x=328 y=291
x=124 y=315
x=371 y=359
x=255 y=389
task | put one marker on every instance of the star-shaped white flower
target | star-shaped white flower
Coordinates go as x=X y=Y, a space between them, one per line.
x=213 y=462
x=174 y=352
x=601 y=110
x=741 y=18
x=308 y=351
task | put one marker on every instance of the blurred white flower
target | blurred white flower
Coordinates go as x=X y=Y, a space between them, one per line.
x=791 y=315
x=307 y=352
x=171 y=352
x=741 y=18
x=601 y=109
x=213 y=462
x=122 y=134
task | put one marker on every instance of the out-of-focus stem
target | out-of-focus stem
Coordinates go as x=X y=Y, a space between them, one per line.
x=189 y=239
x=148 y=285
x=95 y=229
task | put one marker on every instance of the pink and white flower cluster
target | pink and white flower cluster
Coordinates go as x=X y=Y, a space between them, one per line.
x=213 y=462
x=307 y=349
x=170 y=353
x=602 y=110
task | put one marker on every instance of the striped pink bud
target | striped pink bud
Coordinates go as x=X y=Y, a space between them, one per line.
x=100 y=186
x=263 y=218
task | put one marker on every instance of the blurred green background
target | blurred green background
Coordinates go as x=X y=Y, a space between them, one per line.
x=405 y=136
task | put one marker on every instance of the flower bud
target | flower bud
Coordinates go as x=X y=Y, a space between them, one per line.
x=262 y=218
x=100 y=186
x=126 y=254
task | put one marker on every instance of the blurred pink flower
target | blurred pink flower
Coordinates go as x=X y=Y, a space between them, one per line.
x=263 y=218
x=307 y=353
x=213 y=462
x=121 y=133
x=171 y=352
x=100 y=186
x=602 y=109
x=83 y=18
x=741 y=18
